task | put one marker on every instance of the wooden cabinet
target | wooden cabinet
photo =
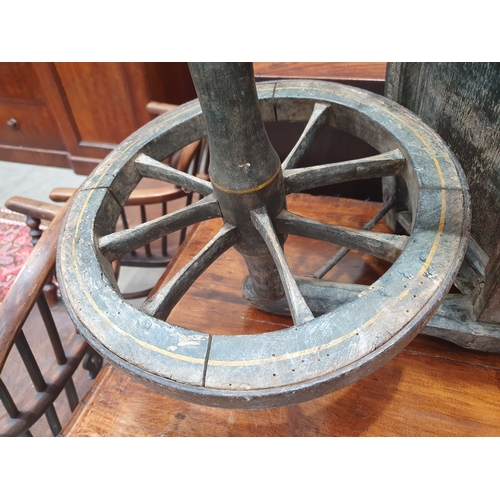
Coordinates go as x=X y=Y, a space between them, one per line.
x=73 y=114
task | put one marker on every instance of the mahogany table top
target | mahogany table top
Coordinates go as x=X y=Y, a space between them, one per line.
x=432 y=388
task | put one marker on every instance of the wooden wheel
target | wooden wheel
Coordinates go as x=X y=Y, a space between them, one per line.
x=355 y=331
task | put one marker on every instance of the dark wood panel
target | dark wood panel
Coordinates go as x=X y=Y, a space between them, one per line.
x=329 y=70
x=61 y=110
x=92 y=107
x=366 y=75
x=18 y=81
x=29 y=132
x=170 y=82
x=34 y=156
x=99 y=101
x=82 y=165
x=34 y=127
x=140 y=91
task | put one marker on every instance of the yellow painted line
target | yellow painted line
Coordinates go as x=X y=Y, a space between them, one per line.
x=284 y=357
x=287 y=356
x=304 y=352
x=150 y=347
x=439 y=233
x=91 y=300
x=106 y=319
x=250 y=190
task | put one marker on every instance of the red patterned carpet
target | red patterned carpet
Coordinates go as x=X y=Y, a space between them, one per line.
x=14 y=247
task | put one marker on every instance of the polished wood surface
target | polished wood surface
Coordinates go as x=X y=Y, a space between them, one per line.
x=34 y=208
x=323 y=70
x=432 y=388
x=366 y=75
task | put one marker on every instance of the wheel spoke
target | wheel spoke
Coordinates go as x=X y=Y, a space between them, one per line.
x=382 y=165
x=321 y=296
x=310 y=132
x=298 y=307
x=405 y=219
x=153 y=169
x=382 y=245
x=164 y=300
x=115 y=245
x=344 y=251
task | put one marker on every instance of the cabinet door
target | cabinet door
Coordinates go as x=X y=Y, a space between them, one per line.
x=97 y=105
x=100 y=100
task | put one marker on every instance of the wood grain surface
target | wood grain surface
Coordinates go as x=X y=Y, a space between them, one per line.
x=460 y=101
x=432 y=388
x=324 y=70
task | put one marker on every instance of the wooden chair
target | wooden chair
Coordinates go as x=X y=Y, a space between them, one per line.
x=31 y=378
x=26 y=302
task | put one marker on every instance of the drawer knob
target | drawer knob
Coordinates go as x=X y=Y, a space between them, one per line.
x=13 y=124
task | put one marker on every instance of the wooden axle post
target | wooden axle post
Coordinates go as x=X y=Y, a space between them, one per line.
x=245 y=170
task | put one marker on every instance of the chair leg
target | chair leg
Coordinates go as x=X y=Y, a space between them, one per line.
x=50 y=290
x=92 y=362
x=35 y=231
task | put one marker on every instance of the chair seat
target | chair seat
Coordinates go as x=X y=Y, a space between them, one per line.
x=138 y=197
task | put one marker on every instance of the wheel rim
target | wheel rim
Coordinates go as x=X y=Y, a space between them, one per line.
x=308 y=359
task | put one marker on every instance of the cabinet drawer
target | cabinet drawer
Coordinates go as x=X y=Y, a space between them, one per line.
x=30 y=126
